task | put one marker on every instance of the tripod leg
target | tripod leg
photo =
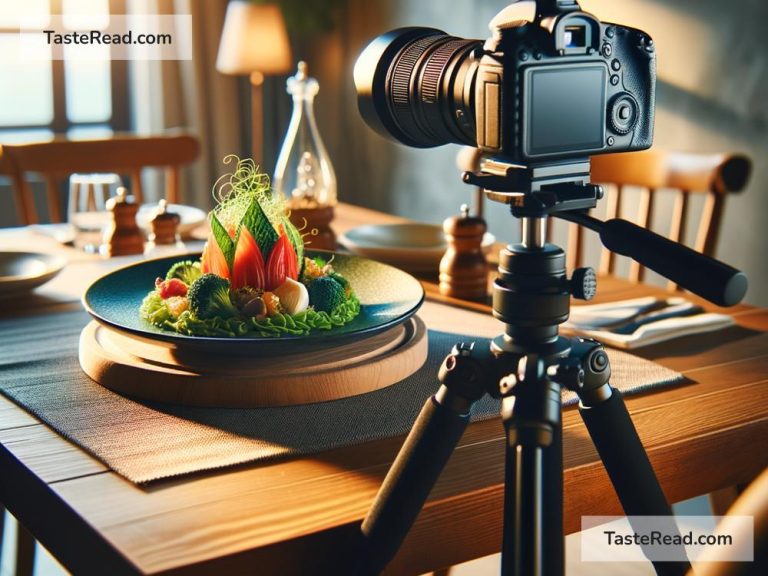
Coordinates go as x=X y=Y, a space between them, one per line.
x=627 y=464
x=429 y=445
x=533 y=479
x=408 y=483
x=554 y=539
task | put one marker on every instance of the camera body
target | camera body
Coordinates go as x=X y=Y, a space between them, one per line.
x=551 y=84
x=564 y=85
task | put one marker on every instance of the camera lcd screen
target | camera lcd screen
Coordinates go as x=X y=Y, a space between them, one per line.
x=565 y=109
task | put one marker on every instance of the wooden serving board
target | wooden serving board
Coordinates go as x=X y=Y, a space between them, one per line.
x=156 y=371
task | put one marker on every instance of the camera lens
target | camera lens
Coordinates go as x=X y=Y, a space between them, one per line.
x=417 y=85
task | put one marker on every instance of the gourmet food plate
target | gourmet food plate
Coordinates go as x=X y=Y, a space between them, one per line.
x=388 y=297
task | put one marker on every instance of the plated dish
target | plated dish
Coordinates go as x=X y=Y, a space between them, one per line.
x=22 y=272
x=388 y=297
x=254 y=282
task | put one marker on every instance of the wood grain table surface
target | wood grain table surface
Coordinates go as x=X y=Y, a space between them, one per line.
x=298 y=516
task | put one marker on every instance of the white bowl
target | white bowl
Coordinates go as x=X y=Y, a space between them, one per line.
x=22 y=272
x=416 y=247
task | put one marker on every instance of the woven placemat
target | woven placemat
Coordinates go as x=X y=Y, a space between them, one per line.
x=144 y=441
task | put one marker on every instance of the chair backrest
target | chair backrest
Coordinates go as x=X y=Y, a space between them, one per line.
x=715 y=175
x=124 y=154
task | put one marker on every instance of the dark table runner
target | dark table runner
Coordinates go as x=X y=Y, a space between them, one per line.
x=146 y=441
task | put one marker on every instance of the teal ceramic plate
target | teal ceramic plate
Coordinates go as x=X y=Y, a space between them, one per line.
x=388 y=297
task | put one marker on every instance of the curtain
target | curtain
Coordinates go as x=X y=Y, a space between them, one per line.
x=192 y=95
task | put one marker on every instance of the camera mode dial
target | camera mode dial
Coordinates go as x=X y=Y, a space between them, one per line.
x=623 y=113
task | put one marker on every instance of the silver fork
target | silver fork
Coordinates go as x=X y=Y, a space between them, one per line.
x=608 y=323
x=678 y=311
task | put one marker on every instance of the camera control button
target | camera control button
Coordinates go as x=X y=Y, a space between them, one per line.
x=615 y=64
x=607 y=50
x=610 y=31
x=614 y=80
x=623 y=113
x=538 y=55
x=523 y=55
x=611 y=140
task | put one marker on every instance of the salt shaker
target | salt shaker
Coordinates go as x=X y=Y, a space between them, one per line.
x=123 y=235
x=463 y=269
x=164 y=237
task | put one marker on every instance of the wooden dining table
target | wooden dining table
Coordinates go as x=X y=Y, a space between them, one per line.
x=298 y=515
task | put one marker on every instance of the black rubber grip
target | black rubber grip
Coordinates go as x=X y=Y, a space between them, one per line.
x=702 y=275
x=410 y=479
x=627 y=464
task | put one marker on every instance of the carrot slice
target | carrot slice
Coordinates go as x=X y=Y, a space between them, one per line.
x=282 y=263
x=213 y=260
x=248 y=265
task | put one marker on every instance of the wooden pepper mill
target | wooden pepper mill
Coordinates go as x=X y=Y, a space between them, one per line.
x=463 y=269
x=165 y=231
x=123 y=236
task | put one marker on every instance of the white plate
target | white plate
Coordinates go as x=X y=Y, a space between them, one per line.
x=191 y=217
x=416 y=247
x=24 y=271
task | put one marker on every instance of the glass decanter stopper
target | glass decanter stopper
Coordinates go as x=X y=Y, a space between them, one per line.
x=304 y=175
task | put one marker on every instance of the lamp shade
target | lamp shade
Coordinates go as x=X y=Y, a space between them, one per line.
x=254 y=39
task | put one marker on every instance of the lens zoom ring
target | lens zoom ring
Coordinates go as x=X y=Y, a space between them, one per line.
x=403 y=69
x=434 y=68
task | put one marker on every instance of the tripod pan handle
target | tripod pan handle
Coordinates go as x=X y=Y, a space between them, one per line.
x=702 y=275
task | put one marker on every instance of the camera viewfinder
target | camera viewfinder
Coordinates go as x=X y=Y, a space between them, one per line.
x=575 y=36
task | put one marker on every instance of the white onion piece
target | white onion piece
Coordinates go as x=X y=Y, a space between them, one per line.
x=293 y=296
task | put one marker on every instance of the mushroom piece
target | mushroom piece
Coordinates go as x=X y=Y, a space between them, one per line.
x=256 y=308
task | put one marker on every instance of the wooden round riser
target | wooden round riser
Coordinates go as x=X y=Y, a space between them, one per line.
x=156 y=371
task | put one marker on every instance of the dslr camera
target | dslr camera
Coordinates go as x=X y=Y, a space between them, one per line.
x=551 y=84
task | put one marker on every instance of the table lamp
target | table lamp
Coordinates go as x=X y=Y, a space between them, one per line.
x=254 y=41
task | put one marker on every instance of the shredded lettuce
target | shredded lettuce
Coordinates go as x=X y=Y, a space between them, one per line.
x=154 y=310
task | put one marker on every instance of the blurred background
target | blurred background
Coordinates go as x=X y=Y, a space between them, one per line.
x=712 y=96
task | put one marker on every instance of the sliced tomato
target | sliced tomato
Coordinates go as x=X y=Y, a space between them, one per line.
x=213 y=260
x=170 y=288
x=282 y=263
x=248 y=265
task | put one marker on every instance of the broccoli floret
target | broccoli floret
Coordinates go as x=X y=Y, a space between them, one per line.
x=343 y=281
x=326 y=294
x=186 y=271
x=209 y=297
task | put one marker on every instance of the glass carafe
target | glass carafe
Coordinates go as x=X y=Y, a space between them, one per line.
x=304 y=175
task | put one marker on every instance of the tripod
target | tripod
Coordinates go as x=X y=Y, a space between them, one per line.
x=526 y=367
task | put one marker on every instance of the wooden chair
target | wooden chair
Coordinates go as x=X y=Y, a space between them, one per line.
x=715 y=175
x=57 y=159
x=752 y=503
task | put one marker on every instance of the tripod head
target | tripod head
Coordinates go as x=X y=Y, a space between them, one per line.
x=564 y=191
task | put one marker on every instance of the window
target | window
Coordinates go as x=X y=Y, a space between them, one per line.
x=79 y=98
